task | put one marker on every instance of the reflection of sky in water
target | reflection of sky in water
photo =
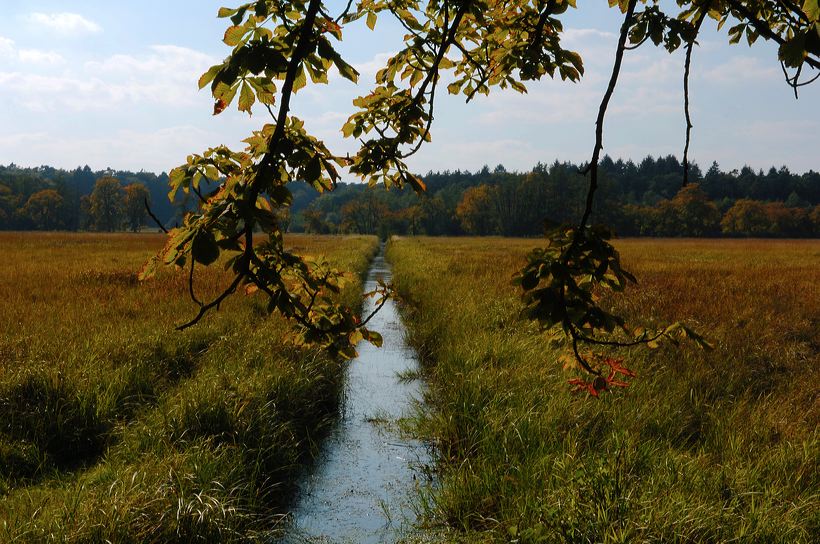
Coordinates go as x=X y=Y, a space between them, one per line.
x=363 y=483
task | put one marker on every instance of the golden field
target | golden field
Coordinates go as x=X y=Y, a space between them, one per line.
x=701 y=447
x=115 y=427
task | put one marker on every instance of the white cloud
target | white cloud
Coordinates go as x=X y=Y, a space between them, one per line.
x=367 y=70
x=30 y=56
x=165 y=61
x=153 y=150
x=584 y=33
x=166 y=76
x=65 y=23
x=6 y=47
x=740 y=70
x=653 y=69
x=449 y=152
x=761 y=144
x=23 y=138
x=39 y=56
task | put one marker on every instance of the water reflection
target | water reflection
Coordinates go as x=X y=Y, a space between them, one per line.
x=361 y=488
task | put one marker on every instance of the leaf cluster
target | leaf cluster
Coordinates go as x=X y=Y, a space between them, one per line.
x=562 y=286
x=559 y=281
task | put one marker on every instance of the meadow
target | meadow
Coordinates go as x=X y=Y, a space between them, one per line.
x=114 y=427
x=703 y=446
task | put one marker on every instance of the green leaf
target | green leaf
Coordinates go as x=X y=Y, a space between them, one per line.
x=280 y=195
x=225 y=93
x=529 y=280
x=209 y=76
x=355 y=337
x=348 y=128
x=346 y=70
x=234 y=35
x=371 y=20
x=204 y=249
x=812 y=9
x=793 y=52
x=261 y=8
x=373 y=337
x=313 y=170
x=246 y=98
x=300 y=80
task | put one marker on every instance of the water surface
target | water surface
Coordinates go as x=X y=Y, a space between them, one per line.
x=362 y=486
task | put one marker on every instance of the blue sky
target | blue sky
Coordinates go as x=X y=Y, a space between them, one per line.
x=113 y=84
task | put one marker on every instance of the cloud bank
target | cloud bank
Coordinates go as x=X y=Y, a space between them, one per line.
x=68 y=24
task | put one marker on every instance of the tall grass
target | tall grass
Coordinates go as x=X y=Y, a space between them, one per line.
x=116 y=428
x=702 y=447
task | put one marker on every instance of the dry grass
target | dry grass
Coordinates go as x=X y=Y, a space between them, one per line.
x=114 y=427
x=703 y=447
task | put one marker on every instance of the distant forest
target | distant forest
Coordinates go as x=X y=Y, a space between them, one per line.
x=636 y=199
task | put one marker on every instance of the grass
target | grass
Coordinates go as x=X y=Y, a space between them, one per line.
x=702 y=447
x=116 y=428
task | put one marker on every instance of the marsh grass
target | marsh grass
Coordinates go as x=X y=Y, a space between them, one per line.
x=702 y=447
x=116 y=428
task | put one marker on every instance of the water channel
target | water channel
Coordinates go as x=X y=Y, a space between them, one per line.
x=362 y=486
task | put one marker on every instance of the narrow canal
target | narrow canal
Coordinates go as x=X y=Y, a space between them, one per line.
x=362 y=486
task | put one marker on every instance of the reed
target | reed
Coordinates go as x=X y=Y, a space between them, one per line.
x=701 y=447
x=116 y=428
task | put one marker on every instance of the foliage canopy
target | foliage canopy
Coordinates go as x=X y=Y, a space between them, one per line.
x=280 y=46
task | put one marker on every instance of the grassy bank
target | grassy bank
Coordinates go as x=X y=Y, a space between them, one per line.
x=702 y=447
x=114 y=427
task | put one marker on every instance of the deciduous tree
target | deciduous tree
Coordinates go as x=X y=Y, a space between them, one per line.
x=278 y=47
x=107 y=204
x=690 y=213
x=746 y=217
x=477 y=211
x=43 y=209
x=136 y=195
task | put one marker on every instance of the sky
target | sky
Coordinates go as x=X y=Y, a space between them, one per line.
x=113 y=85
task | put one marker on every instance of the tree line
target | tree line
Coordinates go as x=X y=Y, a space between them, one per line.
x=637 y=199
x=47 y=198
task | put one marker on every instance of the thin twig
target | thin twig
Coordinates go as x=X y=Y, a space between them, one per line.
x=615 y=343
x=688 y=62
x=214 y=303
x=154 y=217
x=382 y=302
x=765 y=30
x=191 y=283
x=199 y=194
x=343 y=14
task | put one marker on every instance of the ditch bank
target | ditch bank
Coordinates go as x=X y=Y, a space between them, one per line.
x=364 y=482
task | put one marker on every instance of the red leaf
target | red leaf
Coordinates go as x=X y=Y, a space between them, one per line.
x=617 y=367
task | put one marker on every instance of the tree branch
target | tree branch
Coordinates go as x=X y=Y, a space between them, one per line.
x=432 y=74
x=214 y=303
x=592 y=168
x=154 y=217
x=764 y=30
x=688 y=62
